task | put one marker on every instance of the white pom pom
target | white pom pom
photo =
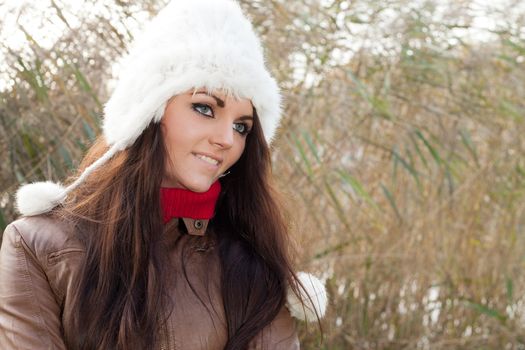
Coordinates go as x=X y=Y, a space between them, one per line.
x=313 y=295
x=39 y=197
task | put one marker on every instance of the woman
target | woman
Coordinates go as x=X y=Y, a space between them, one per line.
x=170 y=235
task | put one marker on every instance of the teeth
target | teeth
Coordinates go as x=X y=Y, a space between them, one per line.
x=207 y=159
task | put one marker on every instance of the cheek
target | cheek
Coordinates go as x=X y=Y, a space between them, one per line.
x=178 y=137
x=173 y=144
x=238 y=151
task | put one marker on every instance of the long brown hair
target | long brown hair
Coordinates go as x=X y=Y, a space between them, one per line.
x=117 y=212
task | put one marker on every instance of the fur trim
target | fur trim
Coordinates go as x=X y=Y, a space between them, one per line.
x=190 y=44
x=313 y=296
x=39 y=197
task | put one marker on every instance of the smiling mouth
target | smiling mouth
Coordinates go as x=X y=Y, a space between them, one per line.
x=207 y=159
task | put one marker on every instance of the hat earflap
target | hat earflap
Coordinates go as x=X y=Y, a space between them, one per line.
x=312 y=302
x=39 y=197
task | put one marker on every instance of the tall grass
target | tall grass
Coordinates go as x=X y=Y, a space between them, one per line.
x=401 y=151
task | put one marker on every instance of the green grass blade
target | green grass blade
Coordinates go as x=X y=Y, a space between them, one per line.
x=520 y=170
x=511 y=110
x=358 y=188
x=66 y=157
x=29 y=145
x=311 y=146
x=407 y=166
x=450 y=179
x=381 y=106
x=84 y=84
x=418 y=150
x=20 y=177
x=303 y=155
x=431 y=149
x=485 y=310
x=332 y=249
x=515 y=46
x=467 y=142
x=3 y=223
x=337 y=206
x=30 y=75
x=88 y=130
x=392 y=201
x=510 y=290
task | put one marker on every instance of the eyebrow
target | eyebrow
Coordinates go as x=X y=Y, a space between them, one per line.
x=246 y=117
x=221 y=104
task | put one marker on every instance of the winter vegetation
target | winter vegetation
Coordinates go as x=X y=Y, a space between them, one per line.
x=401 y=152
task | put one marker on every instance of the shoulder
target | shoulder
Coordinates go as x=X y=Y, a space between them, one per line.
x=44 y=234
x=42 y=252
x=280 y=334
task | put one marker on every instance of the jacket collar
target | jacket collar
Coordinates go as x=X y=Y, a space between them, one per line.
x=195 y=227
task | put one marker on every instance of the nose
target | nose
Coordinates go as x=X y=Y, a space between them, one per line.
x=222 y=135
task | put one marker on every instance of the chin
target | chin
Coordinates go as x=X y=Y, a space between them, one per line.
x=198 y=186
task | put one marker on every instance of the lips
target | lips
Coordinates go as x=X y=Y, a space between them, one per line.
x=210 y=159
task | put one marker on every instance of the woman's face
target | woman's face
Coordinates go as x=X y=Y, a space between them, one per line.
x=205 y=134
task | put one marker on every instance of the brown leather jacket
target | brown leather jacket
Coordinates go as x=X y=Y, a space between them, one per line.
x=40 y=256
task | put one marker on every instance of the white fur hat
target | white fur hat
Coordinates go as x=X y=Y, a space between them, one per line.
x=189 y=44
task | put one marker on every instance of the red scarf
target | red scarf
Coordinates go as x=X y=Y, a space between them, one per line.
x=182 y=203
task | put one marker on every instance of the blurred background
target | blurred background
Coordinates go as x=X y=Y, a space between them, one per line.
x=401 y=152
